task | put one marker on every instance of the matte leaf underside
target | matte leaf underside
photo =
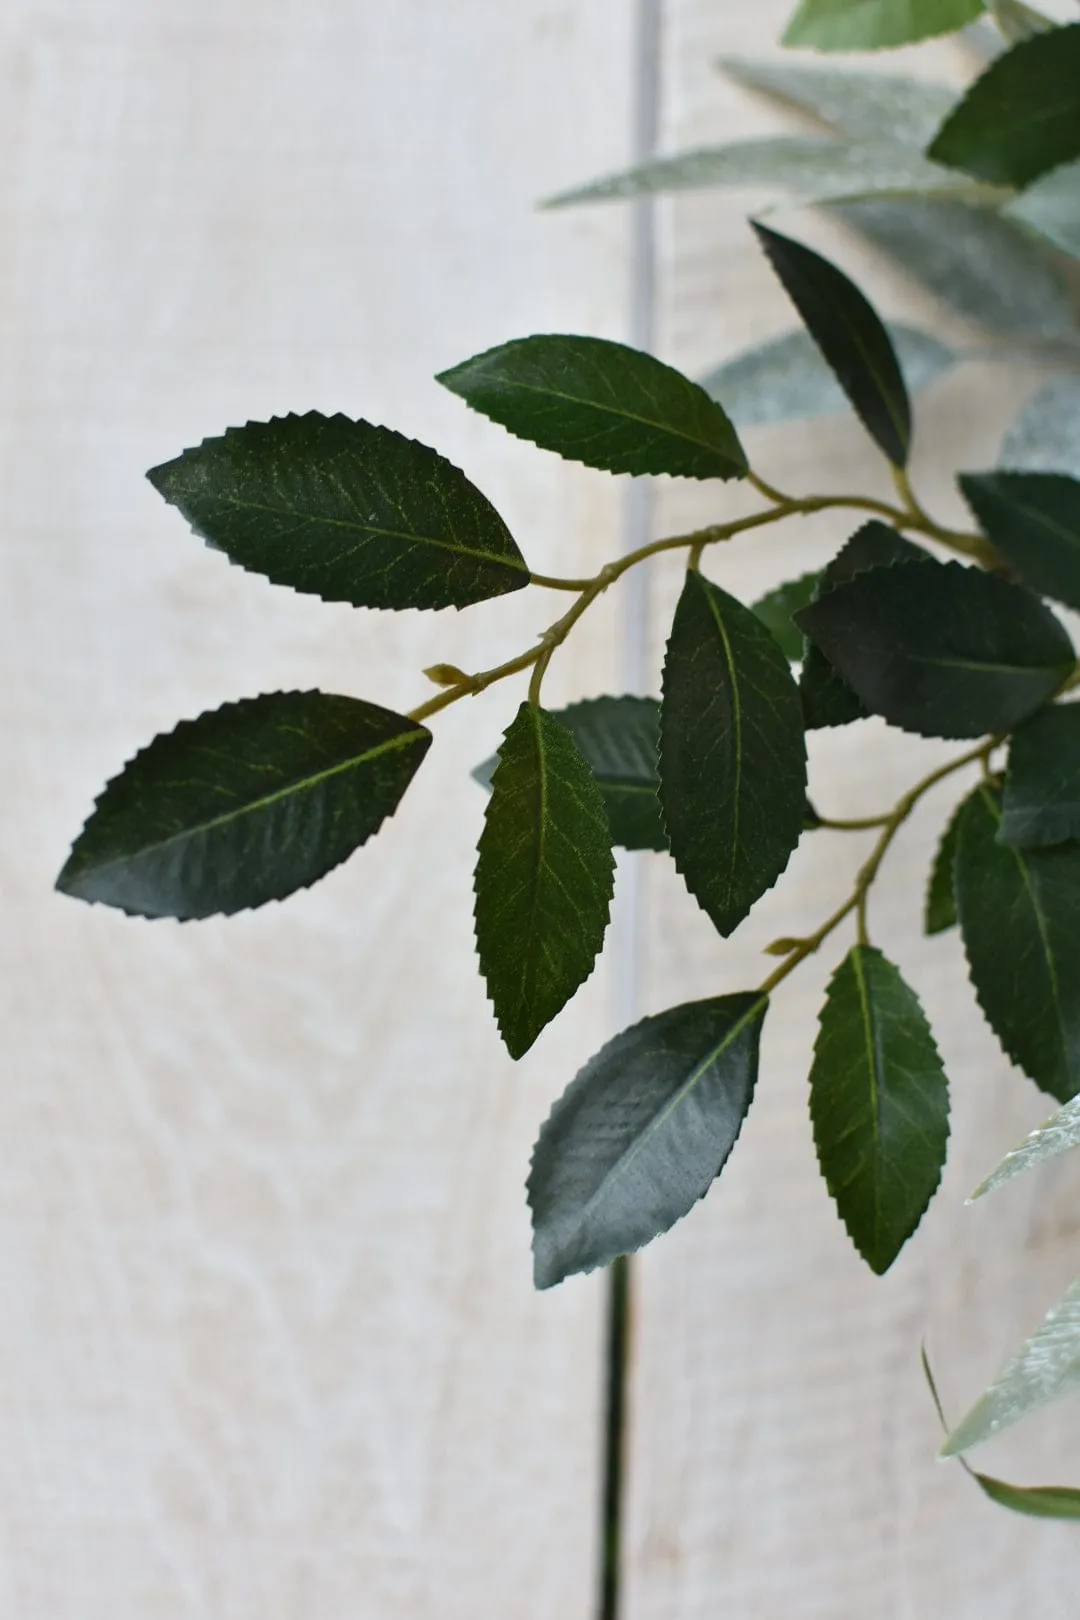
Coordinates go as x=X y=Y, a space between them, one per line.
x=1041 y=802
x=866 y=106
x=1022 y=116
x=1033 y=520
x=1046 y=435
x=879 y=1102
x=345 y=511
x=941 y=649
x=603 y=404
x=732 y=753
x=851 y=336
x=1047 y=1366
x=641 y=1133
x=243 y=805
x=870 y=25
x=544 y=877
x=1060 y=1134
x=827 y=699
x=619 y=737
x=1020 y=921
x=1052 y=207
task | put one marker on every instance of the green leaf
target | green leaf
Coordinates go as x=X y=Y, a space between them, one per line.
x=786 y=378
x=978 y=263
x=732 y=753
x=879 y=1102
x=345 y=511
x=940 y=913
x=811 y=169
x=1019 y=21
x=873 y=107
x=1052 y=208
x=619 y=737
x=941 y=649
x=1046 y=435
x=827 y=699
x=1020 y=921
x=850 y=336
x=1041 y=802
x=544 y=877
x=601 y=403
x=1021 y=117
x=642 y=1132
x=873 y=25
x=775 y=610
x=1047 y=1366
x=1033 y=520
x=1059 y=1134
x=244 y=805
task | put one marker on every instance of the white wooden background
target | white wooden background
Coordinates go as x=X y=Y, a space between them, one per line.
x=268 y=1344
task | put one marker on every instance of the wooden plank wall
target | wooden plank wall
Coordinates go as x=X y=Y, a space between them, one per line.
x=268 y=1340
x=782 y=1438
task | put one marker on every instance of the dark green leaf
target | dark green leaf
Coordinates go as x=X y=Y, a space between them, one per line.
x=1041 y=803
x=642 y=1132
x=345 y=511
x=1021 y=117
x=244 y=805
x=850 y=336
x=620 y=739
x=940 y=649
x=1059 y=1134
x=775 y=610
x=1037 y=1501
x=1020 y=920
x=871 y=107
x=980 y=265
x=1052 y=207
x=786 y=378
x=544 y=877
x=809 y=168
x=879 y=1102
x=1047 y=1366
x=732 y=753
x=940 y=913
x=601 y=403
x=827 y=699
x=871 y=25
x=1033 y=520
x=1046 y=435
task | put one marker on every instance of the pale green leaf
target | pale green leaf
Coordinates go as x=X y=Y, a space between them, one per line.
x=1059 y=1134
x=1052 y=208
x=1046 y=435
x=872 y=25
x=872 y=107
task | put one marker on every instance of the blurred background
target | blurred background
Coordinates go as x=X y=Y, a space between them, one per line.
x=268 y=1340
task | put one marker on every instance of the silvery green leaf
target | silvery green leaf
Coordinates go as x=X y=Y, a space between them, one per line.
x=814 y=170
x=1052 y=208
x=786 y=378
x=1060 y=1133
x=866 y=106
x=1019 y=21
x=980 y=264
x=1047 y=1366
x=1046 y=435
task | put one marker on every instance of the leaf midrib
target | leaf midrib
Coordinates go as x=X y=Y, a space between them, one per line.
x=629 y=416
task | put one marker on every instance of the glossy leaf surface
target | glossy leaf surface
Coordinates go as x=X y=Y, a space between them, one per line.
x=1021 y=117
x=1041 y=802
x=732 y=753
x=827 y=699
x=775 y=611
x=641 y=1133
x=1046 y=435
x=601 y=403
x=940 y=649
x=1033 y=520
x=871 y=25
x=1047 y=1366
x=1060 y=1134
x=1020 y=921
x=787 y=378
x=879 y=1102
x=871 y=107
x=940 y=912
x=852 y=338
x=544 y=877
x=243 y=805
x=345 y=511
